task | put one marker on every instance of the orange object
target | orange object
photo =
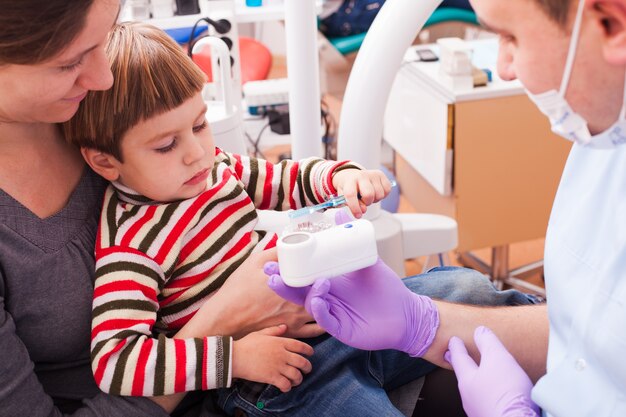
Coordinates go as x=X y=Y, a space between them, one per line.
x=256 y=60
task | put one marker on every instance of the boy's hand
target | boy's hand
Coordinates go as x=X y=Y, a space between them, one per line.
x=266 y=357
x=361 y=188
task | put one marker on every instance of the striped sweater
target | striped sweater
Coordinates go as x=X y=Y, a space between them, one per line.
x=156 y=263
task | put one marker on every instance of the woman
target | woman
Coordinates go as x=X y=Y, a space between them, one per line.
x=51 y=55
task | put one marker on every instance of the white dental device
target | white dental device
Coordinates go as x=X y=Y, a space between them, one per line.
x=304 y=257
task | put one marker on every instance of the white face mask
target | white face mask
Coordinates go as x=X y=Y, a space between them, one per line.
x=564 y=120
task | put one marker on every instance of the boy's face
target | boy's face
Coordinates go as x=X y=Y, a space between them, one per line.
x=533 y=49
x=170 y=156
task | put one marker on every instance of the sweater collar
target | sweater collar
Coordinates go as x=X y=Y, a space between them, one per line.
x=128 y=195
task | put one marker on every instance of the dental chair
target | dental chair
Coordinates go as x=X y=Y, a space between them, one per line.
x=348 y=44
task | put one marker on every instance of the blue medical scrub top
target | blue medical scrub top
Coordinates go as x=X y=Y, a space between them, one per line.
x=585 y=270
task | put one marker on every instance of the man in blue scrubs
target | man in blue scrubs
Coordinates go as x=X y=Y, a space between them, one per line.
x=571 y=57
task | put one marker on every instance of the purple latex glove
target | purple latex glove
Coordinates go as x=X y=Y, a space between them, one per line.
x=369 y=309
x=498 y=387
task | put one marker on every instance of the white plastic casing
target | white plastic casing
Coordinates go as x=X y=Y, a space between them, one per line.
x=304 y=257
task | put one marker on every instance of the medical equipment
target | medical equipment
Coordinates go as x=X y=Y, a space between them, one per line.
x=224 y=115
x=333 y=202
x=306 y=255
x=304 y=78
x=162 y=8
x=139 y=9
x=186 y=7
x=455 y=67
x=399 y=236
x=263 y=95
x=426 y=55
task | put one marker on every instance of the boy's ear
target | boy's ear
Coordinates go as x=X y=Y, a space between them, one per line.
x=102 y=163
x=611 y=14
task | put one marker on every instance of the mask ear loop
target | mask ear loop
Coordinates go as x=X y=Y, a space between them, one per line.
x=622 y=113
x=571 y=54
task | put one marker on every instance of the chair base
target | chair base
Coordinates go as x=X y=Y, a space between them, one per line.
x=500 y=273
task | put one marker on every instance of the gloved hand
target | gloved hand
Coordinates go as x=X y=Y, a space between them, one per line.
x=498 y=387
x=369 y=309
x=293 y=294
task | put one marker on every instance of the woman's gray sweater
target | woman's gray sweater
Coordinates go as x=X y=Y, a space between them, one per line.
x=46 y=285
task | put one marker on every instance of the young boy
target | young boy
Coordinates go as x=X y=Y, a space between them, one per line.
x=178 y=218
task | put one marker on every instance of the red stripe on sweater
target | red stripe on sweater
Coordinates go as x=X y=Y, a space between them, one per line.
x=238 y=247
x=177 y=324
x=190 y=281
x=140 y=371
x=116 y=324
x=329 y=179
x=171 y=298
x=125 y=285
x=134 y=229
x=225 y=214
x=111 y=250
x=272 y=243
x=238 y=166
x=293 y=178
x=267 y=186
x=204 y=366
x=102 y=363
x=179 y=228
x=181 y=365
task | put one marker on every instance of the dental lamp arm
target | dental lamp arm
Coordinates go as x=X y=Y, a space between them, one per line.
x=372 y=75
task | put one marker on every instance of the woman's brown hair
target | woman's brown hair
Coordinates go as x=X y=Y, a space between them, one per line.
x=33 y=31
x=152 y=75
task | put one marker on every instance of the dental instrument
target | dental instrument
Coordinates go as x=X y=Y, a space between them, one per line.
x=306 y=256
x=333 y=202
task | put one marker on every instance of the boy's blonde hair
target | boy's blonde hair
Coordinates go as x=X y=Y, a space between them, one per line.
x=152 y=75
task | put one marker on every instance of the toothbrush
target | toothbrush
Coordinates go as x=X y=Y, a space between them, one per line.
x=333 y=202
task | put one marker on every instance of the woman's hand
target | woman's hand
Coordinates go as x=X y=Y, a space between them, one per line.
x=361 y=188
x=265 y=356
x=245 y=304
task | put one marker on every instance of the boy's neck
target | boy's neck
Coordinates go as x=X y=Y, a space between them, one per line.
x=131 y=196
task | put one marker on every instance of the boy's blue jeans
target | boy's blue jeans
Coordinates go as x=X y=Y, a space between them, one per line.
x=350 y=382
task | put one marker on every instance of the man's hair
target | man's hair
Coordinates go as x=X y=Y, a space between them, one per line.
x=33 y=31
x=152 y=75
x=557 y=10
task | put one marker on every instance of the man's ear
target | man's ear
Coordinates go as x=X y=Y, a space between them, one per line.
x=611 y=15
x=102 y=163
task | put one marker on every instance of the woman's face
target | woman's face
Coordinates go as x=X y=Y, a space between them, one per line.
x=50 y=92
